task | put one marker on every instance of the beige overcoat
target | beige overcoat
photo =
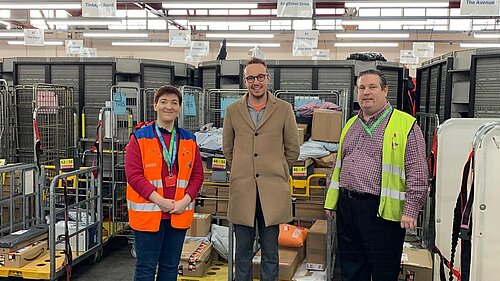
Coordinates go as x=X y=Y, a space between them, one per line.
x=260 y=158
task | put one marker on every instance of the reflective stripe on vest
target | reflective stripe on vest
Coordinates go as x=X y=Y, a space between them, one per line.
x=394 y=194
x=393 y=170
x=393 y=178
x=157 y=183
x=143 y=207
x=182 y=183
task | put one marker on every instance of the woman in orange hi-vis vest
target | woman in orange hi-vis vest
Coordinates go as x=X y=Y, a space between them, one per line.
x=164 y=175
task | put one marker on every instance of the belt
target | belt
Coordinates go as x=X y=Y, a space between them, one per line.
x=358 y=195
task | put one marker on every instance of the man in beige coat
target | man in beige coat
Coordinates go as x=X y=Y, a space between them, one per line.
x=260 y=142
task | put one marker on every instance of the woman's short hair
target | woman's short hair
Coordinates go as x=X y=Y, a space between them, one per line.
x=165 y=90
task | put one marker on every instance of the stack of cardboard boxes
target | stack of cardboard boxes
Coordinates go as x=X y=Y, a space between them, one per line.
x=326 y=127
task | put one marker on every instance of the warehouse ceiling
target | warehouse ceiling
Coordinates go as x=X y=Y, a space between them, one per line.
x=252 y=21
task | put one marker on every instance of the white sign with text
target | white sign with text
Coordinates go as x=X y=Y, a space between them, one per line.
x=98 y=8
x=479 y=7
x=295 y=8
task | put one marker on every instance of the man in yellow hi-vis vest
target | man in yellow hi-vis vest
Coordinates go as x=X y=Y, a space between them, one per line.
x=378 y=185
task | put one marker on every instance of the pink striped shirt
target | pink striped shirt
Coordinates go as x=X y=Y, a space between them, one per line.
x=362 y=162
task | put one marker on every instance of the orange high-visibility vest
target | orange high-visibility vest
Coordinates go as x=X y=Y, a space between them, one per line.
x=143 y=214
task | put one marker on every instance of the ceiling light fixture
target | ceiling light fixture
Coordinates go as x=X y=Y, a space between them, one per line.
x=11 y=34
x=195 y=22
x=480 y=45
x=372 y=35
x=46 y=43
x=263 y=45
x=209 y=6
x=487 y=35
x=423 y=4
x=84 y=22
x=145 y=44
x=241 y=35
x=114 y=35
x=40 y=6
x=382 y=21
x=344 y=45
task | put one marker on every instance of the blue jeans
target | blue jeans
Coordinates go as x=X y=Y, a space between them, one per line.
x=162 y=248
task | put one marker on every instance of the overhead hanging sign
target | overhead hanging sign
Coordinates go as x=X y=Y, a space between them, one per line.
x=407 y=57
x=34 y=37
x=302 y=48
x=423 y=49
x=89 y=52
x=98 y=8
x=200 y=48
x=321 y=54
x=257 y=53
x=179 y=38
x=307 y=35
x=73 y=47
x=295 y=9
x=479 y=7
x=189 y=57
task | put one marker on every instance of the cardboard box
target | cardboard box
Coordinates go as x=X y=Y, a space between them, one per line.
x=302 y=134
x=196 y=258
x=307 y=130
x=316 y=246
x=200 y=226
x=206 y=206
x=83 y=245
x=302 y=169
x=326 y=171
x=416 y=265
x=327 y=125
x=289 y=260
x=327 y=161
x=25 y=255
x=222 y=201
x=308 y=209
x=206 y=201
x=25 y=243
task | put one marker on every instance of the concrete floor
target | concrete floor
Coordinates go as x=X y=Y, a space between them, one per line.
x=116 y=263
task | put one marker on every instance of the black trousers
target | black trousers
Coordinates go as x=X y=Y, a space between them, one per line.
x=245 y=237
x=369 y=247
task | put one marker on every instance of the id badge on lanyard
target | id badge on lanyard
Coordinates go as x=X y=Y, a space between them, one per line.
x=169 y=155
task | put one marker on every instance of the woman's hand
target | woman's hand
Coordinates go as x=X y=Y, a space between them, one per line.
x=166 y=205
x=180 y=205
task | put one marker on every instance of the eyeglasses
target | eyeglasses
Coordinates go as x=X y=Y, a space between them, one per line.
x=260 y=78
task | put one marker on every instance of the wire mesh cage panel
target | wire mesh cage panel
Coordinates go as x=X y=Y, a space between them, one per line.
x=428 y=123
x=19 y=200
x=148 y=101
x=4 y=120
x=132 y=100
x=299 y=98
x=217 y=102
x=26 y=99
x=114 y=132
x=192 y=115
x=56 y=134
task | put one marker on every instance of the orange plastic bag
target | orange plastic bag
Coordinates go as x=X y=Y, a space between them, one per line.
x=292 y=236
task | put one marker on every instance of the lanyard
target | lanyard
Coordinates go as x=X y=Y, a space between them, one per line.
x=369 y=130
x=170 y=154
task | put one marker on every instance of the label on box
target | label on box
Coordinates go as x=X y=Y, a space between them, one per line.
x=314 y=266
x=219 y=163
x=299 y=171
x=296 y=233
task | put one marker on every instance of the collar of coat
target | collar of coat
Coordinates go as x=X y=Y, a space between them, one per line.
x=270 y=108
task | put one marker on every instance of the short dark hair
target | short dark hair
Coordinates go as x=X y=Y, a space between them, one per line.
x=167 y=89
x=383 y=80
x=254 y=61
